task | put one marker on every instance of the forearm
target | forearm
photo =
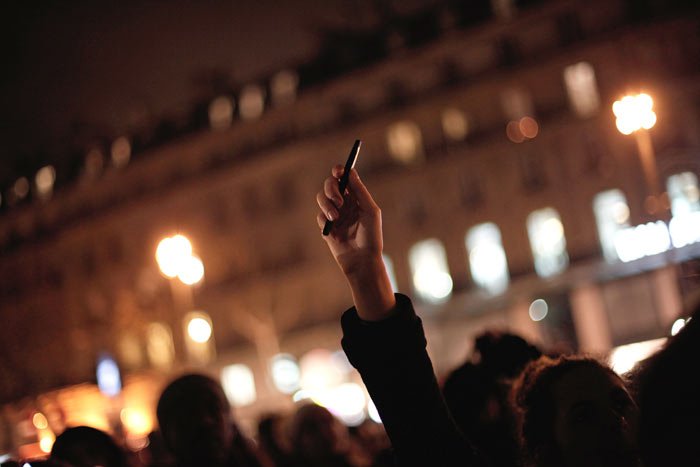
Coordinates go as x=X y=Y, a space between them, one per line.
x=371 y=290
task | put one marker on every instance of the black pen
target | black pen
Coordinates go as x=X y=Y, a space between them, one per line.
x=343 y=183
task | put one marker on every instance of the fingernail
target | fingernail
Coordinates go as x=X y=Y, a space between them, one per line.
x=331 y=215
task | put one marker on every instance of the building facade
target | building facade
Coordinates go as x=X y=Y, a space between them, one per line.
x=503 y=181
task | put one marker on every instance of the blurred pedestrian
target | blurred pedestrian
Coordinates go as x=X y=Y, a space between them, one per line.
x=198 y=428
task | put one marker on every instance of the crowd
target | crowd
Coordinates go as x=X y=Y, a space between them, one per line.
x=511 y=404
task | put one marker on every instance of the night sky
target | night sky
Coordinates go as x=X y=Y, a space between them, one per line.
x=91 y=67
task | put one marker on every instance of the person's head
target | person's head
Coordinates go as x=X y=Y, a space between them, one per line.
x=503 y=353
x=195 y=420
x=575 y=411
x=317 y=434
x=83 y=446
x=271 y=435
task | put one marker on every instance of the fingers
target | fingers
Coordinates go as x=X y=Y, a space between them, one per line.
x=321 y=220
x=332 y=191
x=327 y=207
x=337 y=171
x=361 y=193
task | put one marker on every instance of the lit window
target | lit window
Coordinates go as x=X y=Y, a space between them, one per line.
x=455 y=124
x=389 y=265
x=487 y=259
x=684 y=194
x=547 y=242
x=121 y=152
x=431 y=277
x=642 y=240
x=159 y=346
x=44 y=180
x=612 y=215
x=20 y=189
x=582 y=89
x=108 y=377
x=405 y=142
x=251 y=103
x=239 y=384
x=285 y=373
x=284 y=86
x=94 y=163
x=221 y=112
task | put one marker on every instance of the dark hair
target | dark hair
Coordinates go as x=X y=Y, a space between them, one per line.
x=535 y=407
x=182 y=390
x=84 y=446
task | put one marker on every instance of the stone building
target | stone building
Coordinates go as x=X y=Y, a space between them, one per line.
x=466 y=122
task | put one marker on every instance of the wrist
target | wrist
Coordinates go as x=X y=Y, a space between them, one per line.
x=371 y=289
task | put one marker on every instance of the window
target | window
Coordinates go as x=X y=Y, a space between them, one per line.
x=285 y=372
x=159 y=346
x=239 y=384
x=612 y=215
x=487 y=259
x=284 y=87
x=455 y=124
x=121 y=152
x=431 y=277
x=251 y=103
x=546 y=233
x=582 y=89
x=684 y=195
x=405 y=142
x=44 y=181
x=221 y=112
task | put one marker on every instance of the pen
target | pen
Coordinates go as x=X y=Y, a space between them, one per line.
x=343 y=183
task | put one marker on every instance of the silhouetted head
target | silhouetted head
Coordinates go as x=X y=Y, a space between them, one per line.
x=669 y=401
x=316 y=434
x=504 y=354
x=574 y=411
x=195 y=420
x=271 y=436
x=83 y=446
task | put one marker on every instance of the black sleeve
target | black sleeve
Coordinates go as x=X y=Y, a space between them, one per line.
x=392 y=360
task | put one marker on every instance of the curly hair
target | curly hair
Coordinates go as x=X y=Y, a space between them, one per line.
x=533 y=401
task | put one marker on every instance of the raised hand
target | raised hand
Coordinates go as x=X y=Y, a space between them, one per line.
x=355 y=241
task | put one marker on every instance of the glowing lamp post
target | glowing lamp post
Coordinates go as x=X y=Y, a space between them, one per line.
x=635 y=115
x=176 y=259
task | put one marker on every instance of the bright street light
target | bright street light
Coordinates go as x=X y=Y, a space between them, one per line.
x=175 y=259
x=635 y=114
x=191 y=270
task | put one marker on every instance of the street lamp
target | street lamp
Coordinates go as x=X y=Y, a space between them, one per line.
x=635 y=115
x=176 y=259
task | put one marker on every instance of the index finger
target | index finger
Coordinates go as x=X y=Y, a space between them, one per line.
x=361 y=193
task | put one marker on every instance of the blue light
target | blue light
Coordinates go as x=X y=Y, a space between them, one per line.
x=108 y=378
